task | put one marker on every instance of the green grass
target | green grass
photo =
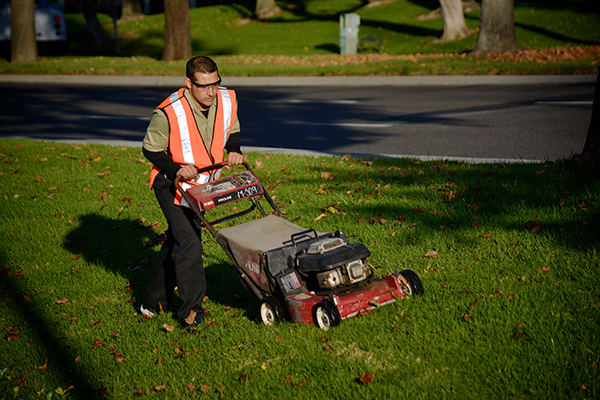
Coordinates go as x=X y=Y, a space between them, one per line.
x=507 y=312
x=309 y=31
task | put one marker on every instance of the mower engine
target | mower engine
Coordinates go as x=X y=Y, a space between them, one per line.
x=333 y=262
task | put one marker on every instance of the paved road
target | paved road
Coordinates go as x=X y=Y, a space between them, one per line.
x=461 y=118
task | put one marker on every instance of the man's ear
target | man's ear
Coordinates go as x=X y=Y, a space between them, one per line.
x=188 y=83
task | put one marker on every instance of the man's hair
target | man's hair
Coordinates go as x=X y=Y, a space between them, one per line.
x=201 y=64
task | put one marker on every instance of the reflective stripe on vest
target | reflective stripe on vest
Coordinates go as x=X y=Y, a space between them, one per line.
x=185 y=142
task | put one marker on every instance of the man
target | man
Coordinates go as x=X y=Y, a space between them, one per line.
x=189 y=130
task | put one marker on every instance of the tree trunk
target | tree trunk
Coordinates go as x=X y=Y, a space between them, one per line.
x=132 y=9
x=454 y=21
x=23 y=45
x=89 y=13
x=178 y=32
x=497 y=27
x=266 y=9
x=590 y=156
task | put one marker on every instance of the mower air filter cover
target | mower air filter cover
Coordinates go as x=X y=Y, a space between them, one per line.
x=332 y=258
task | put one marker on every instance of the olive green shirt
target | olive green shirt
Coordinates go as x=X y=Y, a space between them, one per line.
x=157 y=134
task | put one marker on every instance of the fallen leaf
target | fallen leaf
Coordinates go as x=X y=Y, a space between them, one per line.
x=12 y=336
x=320 y=217
x=160 y=387
x=77 y=257
x=326 y=175
x=190 y=386
x=168 y=328
x=43 y=367
x=62 y=301
x=544 y=270
x=190 y=319
x=205 y=388
x=451 y=195
x=97 y=344
x=287 y=382
x=367 y=378
x=431 y=254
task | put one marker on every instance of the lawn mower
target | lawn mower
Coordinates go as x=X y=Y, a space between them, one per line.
x=298 y=274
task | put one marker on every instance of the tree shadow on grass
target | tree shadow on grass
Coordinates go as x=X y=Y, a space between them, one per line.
x=465 y=201
x=61 y=362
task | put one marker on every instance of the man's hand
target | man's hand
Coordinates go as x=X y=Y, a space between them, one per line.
x=235 y=159
x=188 y=172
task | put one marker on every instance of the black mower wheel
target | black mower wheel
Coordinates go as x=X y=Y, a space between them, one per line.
x=414 y=287
x=270 y=311
x=326 y=315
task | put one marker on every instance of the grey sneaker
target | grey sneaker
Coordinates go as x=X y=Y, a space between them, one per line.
x=147 y=311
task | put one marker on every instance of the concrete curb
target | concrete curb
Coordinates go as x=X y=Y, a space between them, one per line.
x=233 y=81
x=306 y=153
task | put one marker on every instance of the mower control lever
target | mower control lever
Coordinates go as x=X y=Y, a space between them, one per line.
x=303 y=233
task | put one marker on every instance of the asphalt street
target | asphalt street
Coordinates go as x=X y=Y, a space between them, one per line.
x=476 y=119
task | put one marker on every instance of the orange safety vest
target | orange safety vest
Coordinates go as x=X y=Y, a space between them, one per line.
x=185 y=142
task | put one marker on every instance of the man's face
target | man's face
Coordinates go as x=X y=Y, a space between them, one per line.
x=204 y=88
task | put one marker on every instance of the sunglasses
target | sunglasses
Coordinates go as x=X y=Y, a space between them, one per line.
x=214 y=85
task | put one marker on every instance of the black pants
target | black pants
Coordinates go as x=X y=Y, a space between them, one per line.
x=180 y=260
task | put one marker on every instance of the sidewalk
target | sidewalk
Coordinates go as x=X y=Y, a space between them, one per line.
x=174 y=81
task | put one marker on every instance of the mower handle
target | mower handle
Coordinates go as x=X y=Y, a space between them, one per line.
x=212 y=168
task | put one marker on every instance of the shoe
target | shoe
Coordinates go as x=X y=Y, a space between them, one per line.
x=192 y=325
x=147 y=311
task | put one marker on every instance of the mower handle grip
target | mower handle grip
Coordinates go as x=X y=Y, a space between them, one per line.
x=212 y=168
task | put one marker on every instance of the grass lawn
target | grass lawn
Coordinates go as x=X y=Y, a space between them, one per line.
x=557 y=37
x=512 y=293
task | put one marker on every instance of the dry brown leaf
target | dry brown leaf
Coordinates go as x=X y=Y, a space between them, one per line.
x=43 y=367
x=168 y=328
x=431 y=254
x=367 y=378
x=12 y=336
